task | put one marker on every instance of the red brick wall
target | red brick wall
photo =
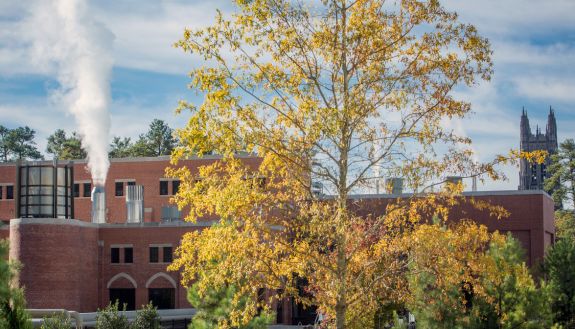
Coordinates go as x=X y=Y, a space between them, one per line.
x=145 y=171
x=7 y=177
x=59 y=261
x=531 y=216
x=141 y=270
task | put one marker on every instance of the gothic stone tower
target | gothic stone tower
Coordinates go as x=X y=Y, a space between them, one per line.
x=531 y=175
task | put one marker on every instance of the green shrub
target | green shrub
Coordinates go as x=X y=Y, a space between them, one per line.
x=147 y=318
x=57 y=321
x=111 y=318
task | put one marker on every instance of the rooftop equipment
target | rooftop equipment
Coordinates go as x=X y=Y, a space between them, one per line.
x=98 y=199
x=135 y=203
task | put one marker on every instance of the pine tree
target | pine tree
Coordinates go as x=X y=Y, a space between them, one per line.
x=12 y=304
x=214 y=306
x=561 y=182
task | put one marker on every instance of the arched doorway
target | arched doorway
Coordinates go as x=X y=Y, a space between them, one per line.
x=162 y=291
x=122 y=289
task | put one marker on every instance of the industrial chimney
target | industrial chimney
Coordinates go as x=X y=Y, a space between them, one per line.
x=135 y=203
x=98 y=199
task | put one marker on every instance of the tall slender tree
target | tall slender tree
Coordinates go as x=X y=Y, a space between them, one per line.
x=336 y=92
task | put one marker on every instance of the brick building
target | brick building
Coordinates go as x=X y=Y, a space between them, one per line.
x=76 y=264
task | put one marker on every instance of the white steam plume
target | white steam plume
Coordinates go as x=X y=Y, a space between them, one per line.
x=66 y=40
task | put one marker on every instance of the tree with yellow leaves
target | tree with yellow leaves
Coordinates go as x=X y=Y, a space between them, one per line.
x=336 y=92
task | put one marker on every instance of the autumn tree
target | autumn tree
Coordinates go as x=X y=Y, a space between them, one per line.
x=490 y=288
x=337 y=92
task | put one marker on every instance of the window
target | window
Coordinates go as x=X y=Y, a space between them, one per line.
x=115 y=255
x=154 y=255
x=162 y=298
x=167 y=254
x=131 y=183
x=163 y=187
x=124 y=296
x=0 y=192
x=175 y=186
x=76 y=190
x=10 y=192
x=87 y=190
x=119 y=189
x=128 y=255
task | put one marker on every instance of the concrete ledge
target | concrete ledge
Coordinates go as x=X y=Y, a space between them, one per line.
x=75 y=222
x=469 y=193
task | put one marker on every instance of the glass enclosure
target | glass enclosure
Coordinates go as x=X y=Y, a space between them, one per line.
x=45 y=190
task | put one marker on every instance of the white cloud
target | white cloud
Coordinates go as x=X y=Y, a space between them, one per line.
x=546 y=88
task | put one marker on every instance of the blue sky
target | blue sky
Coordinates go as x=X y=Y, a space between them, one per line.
x=533 y=43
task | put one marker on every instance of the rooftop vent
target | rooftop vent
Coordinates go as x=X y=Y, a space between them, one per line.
x=135 y=203
x=98 y=199
x=395 y=185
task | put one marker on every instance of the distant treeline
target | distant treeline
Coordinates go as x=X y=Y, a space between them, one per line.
x=19 y=143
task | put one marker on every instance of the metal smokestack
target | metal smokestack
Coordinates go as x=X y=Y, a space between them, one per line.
x=98 y=204
x=135 y=203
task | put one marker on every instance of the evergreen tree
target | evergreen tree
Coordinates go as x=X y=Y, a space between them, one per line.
x=561 y=183
x=214 y=306
x=559 y=267
x=17 y=144
x=160 y=138
x=512 y=299
x=64 y=147
x=121 y=147
x=12 y=304
x=503 y=296
x=4 y=146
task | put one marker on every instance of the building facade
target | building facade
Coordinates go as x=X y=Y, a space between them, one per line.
x=77 y=264
x=532 y=175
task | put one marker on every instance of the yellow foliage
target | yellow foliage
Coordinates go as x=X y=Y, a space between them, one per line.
x=330 y=91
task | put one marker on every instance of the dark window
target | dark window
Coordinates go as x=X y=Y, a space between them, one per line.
x=119 y=189
x=167 y=254
x=162 y=298
x=128 y=255
x=163 y=187
x=87 y=190
x=124 y=296
x=154 y=255
x=10 y=192
x=115 y=255
x=132 y=183
x=76 y=190
x=0 y=192
x=175 y=186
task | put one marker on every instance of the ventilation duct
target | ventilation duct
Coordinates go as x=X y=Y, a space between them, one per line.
x=135 y=203
x=454 y=179
x=98 y=204
x=395 y=185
